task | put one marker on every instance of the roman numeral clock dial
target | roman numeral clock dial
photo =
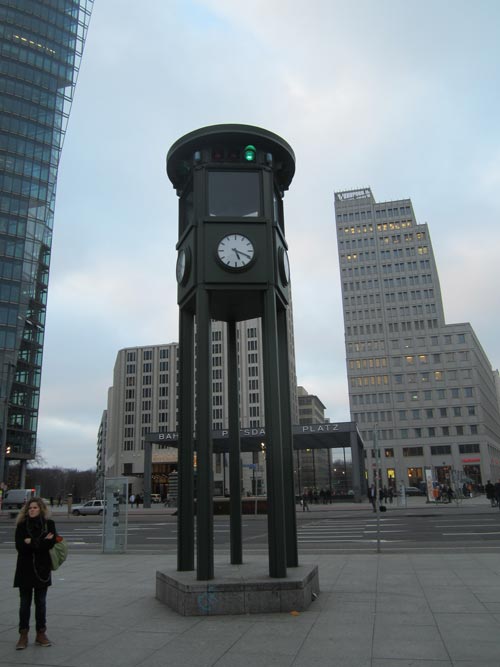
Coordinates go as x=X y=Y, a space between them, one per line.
x=235 y=251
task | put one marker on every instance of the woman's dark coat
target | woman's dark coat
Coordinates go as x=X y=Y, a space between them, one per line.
x=33 y=560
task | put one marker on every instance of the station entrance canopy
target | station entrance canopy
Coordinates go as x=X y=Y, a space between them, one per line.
x=305 y=437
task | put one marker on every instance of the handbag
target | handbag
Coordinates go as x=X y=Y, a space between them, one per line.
x=58 y=553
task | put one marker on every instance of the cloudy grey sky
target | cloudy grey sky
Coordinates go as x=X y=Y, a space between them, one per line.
x=401 y=96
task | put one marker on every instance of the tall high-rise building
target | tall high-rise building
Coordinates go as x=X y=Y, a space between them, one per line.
x=41 y=45
x=143 y=399
x=312 y=466
x=424 y=388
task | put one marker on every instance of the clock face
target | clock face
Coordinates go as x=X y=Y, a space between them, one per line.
x=235 y=251
x=182 y=267
x=284 y=266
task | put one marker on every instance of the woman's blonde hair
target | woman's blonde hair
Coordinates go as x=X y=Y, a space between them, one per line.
x=23 y=513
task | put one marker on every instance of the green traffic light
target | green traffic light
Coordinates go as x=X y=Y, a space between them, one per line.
x=250 y=153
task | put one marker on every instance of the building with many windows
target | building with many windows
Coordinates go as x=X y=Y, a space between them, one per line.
x=143 y=399
x=423 y=388
x=41 y=45
x=311 y=465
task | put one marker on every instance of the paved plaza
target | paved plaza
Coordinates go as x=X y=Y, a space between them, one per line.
x=374 y=610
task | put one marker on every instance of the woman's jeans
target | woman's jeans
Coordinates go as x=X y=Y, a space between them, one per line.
x=26 y=596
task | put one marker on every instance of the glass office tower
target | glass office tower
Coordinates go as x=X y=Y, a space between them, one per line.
x=41 y=44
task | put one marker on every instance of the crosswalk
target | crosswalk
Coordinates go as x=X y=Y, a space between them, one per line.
x=350 y=532
x=334 y=531
x=397 y=530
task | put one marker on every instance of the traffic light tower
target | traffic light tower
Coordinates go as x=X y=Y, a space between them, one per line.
x=232 y=265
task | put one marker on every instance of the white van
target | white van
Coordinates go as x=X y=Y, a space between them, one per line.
x=16 y=498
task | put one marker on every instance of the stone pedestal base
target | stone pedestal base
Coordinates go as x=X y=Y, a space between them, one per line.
x=238 y=589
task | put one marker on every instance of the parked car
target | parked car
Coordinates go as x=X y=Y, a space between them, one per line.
x=155 y=498
x=91 y=507
x=413 y=491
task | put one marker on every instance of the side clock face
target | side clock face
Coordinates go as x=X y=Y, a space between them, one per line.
x=284 y=266
x=183 y=266
x=235 y=251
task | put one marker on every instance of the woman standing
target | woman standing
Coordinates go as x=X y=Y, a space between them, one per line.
x=35 y=536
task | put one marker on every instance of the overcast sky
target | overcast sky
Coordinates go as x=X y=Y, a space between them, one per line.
x=400 y=96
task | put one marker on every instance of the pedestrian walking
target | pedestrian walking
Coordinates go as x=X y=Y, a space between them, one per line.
x=35 y=536
x=497 y=493
x=305 y=501
x=490 y=493
x=372 y=496
x=131 y=500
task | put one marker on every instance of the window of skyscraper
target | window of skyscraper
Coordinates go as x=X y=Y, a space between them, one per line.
x=413 y=451
x=468 y=449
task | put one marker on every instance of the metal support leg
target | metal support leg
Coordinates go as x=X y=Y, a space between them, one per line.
x=234 y=448
x=274 y=449
x=185 y=497
x=292 y=557
x=204 y=497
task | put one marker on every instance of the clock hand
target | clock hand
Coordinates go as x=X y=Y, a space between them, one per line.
x=237 y=252
x=244 y=254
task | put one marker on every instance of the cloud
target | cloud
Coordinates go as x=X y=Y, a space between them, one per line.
x=402 y=97
x=68 y=443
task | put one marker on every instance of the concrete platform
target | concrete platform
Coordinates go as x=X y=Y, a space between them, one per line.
x=238 y=589
x=422 y=609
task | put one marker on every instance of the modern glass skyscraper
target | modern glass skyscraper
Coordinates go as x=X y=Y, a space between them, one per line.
x=423 y=387
x=41 y=45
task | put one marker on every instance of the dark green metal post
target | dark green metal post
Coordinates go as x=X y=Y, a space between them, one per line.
x=234 y=447
x=204 y=496
x=292 y=557
x=185 y=497
x=274 y=449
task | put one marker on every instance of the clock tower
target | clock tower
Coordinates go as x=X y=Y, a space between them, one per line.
x=232 y=265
